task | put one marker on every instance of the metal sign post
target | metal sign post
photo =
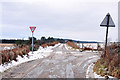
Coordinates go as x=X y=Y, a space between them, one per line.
x=32 y=42
x=106 y=34
x=32 y=30
x=108 y=22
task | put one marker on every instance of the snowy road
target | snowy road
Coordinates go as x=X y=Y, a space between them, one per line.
x=61 y=63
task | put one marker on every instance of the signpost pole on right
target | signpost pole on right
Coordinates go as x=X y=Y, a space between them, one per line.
x=108 y=22
x=106 y=34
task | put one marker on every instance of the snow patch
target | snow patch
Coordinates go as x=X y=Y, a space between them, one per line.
x=59 y=52
x=61 y=45
x=92 y=57
x=98 y=76
x=7 y=48
x=66 y=46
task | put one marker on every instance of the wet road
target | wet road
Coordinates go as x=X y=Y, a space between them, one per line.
x=61 y=63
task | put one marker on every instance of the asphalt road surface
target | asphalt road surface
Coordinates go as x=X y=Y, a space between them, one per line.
x=61 y=63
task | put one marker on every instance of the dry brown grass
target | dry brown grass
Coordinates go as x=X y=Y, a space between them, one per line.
x=6 y=45
x=85 y=48
x=111 y=62
x=73 y=45
x=7 y=55
x=49 y=44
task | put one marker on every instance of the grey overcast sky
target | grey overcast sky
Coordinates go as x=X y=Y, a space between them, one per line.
x=70 y=19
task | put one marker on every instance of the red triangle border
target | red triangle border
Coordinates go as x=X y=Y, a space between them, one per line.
x=32 y=27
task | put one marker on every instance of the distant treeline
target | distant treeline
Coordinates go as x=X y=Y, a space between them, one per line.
x=8 y=41
x=42 y=40
x=38 y=41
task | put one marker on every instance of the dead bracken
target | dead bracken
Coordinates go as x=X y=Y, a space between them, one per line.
x=110 y=64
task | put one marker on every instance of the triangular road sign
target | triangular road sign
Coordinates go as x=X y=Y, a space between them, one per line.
x=32 y=28
x=105 y=21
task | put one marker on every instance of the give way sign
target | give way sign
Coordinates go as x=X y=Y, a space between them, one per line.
x=32 y=28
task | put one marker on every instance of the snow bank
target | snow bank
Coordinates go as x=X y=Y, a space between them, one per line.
x=40 y=53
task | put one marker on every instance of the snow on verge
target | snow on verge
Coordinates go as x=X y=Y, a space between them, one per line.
x=40 y=53
x=91 y=74
x=98 y=76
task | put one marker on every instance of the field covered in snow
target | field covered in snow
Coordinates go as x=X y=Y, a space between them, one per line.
x=90 y=45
